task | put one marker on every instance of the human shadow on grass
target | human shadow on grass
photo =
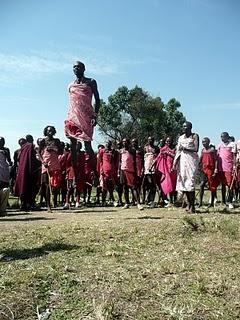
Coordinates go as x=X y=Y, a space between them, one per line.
x=214 y=210
x=149 y=218
x=12 y=213
x=102 y=210
x=8 y=218
x=23 y=254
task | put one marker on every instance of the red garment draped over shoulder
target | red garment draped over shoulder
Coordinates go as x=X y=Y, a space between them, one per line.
x=208 y=159
x=78 y=123
x=28 y=173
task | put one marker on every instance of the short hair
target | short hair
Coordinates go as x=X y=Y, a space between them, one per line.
x=127 y=140
x=1 y=138
x=81 y=63
x=22 y=141
x=206 y=138
x=39 y=141
x=45 y=130
x=189 y=124
x=29 y=138
x=225 y=134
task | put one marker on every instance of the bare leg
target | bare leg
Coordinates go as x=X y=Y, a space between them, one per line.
x=84 y=193
x=73 y=148
x=173 y=197
x=230 y=195
x=64 y=194
x=70 y=192
x=213 y=196
x=223 y=194
x=191 y=197
x=48 y=197
x=55 y=196
x=119 y=189
x=188 y=201
x=89 y=149
x=111 y=196
x=126 y=194
x=43 y=194
x=98 y=193
x=144 y=193
x=89 y=192
x=104 y=196
x=237 y=191
x=110 y=187
x=201 y=193
x=136 y=195
x=77 y=196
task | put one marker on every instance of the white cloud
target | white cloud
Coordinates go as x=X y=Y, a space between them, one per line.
x=16 y=68
x=26 y=63
x=22 y=67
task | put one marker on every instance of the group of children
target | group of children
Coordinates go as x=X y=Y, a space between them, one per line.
x=124 y=173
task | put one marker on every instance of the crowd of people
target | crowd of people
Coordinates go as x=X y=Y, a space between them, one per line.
x=123 y=173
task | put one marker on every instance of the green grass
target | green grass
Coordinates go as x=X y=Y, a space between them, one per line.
x=110 y=264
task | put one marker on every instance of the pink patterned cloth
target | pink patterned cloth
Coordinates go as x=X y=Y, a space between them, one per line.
x=50 y=156
x=164 y=163
x=149 y=157
x=127 y=161
x=78 y=123
x=226 y=153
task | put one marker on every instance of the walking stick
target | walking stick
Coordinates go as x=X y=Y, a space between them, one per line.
x=234 y=177
x=141 y=187
x=50 y=190
x=233 y=180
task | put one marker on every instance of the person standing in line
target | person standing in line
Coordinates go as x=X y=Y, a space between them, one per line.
x=108 y=171
x=5 y=163
x=209 y=164
x=128 y=172
x=49 y=151
x=27 y=180
x=227 y=152
x=186 y=163
x=149 y=179
x=164 y=163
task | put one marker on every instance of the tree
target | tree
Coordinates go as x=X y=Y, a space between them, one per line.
x=174 y=118
x=135 y=113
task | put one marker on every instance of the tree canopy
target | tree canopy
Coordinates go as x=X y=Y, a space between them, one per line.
x=134 y=113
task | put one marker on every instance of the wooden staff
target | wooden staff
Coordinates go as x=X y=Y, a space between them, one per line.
x=50 y=190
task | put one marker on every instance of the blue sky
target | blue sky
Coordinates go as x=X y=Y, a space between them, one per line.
x=187 y=49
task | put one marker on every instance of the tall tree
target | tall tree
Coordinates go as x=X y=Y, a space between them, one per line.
x=174 y=118
x=135 y=113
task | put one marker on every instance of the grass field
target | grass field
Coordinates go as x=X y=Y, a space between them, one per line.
x=107 y=263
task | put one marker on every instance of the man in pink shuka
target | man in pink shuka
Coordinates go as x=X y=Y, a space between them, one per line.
x=81 y=117
x=226 y=166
